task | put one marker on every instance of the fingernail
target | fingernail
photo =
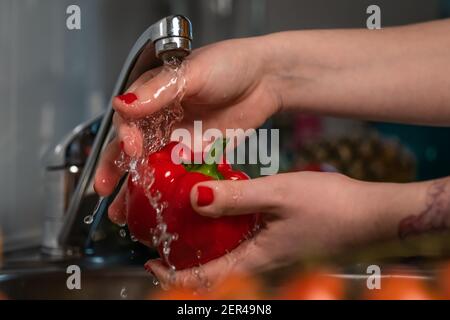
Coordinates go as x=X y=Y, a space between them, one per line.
x=205 y=196
x=128 y=97
x=149 y=269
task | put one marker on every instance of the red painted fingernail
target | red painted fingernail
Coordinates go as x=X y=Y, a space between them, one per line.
x=149 y=270
x=128 y=97
x=205 y=196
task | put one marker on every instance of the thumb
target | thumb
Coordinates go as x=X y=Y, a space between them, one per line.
x=236 y=197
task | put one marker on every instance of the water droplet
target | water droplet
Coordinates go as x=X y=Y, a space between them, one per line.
x=88 y=219
x=97 y=206
x=199 y=254
x=133 y=238
x=155 y=281
x=122 y=233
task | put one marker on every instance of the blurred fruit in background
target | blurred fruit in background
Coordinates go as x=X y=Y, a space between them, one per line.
x=234 y=287
x=176 y=294
x=353 y=148
x=401 y=284
x=238 y=287
x=369 y=158
x=398 y=282
x=444 y=280
x=313 y=285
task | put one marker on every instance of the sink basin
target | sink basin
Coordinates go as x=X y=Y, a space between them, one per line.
x=50 y=283
x=29 y=275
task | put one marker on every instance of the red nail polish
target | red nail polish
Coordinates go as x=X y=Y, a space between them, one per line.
x=205 y=196
x=128 y=97
x=149 y=270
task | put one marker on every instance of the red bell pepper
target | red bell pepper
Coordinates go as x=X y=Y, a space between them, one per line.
x=199 y=238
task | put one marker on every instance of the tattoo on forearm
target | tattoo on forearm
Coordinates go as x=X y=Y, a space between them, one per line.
x=435 y=216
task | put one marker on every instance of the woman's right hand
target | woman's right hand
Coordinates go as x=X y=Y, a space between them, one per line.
x=229 y=84
x=304 y=214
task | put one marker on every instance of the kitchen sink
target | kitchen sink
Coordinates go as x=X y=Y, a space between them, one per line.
x=30 y=275
x=50 y=283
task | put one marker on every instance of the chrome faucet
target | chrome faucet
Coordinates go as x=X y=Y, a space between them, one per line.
x=71 y=172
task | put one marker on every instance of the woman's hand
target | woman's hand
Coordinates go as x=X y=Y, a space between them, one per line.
x=227 y=85
x=305 y=213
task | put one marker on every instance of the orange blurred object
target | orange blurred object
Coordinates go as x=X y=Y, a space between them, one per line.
x=176 y=294
x=237 y=287
x=234 y=287
x=314 y=285
x=3 y=296
x=444 y=280
x=401 y=285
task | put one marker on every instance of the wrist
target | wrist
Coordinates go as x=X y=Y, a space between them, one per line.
x=294 y=66
x=385 y=205
x=278 y=65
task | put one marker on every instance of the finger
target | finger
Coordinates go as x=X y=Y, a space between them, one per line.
x=108 y=174
x=194 y=278
x=144 y=78
x=129 y=136
x=246 y=258
x=117 y=209
x=151 y=96
x=223 y=198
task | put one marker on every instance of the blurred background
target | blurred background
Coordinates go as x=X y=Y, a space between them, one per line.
x=52 y=79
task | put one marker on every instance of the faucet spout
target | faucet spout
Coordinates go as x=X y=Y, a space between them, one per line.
x=172 y=37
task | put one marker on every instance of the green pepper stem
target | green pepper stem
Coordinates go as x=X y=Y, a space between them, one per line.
x=211 y=157
x=209 y=168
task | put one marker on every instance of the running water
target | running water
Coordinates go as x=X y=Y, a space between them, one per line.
x=90 y=218
x=156 y=130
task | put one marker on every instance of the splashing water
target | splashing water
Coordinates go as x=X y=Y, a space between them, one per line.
x=90 y=218
x=156 y=130
x=122 y=233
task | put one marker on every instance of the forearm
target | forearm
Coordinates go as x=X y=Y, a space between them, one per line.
x=397 y=74
x=389 y=210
